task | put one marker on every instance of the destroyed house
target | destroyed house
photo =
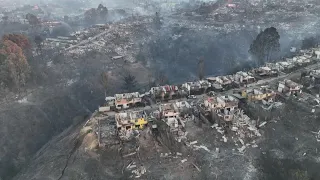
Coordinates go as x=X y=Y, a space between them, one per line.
x=299 y=60
x=169 y=113
x=167 y=91
x=127 y=100
x=222 y=107
x=315 y=76
x=317 y=53
x=265 y=71
x=258 y=94
x=131 y=120
x=224 y=81
x=284 y=65
x=183 y=107
x=110 y=102
x=197 y=87
x=289 y=87
x=214 y=84
x=243 y=78
x=169 y=110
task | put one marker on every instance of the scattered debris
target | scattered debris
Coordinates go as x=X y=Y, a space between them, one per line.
x=196 y=167
x=262 y=124
x=139 y=171
x=184 y=160
x=127 y=155
x=201 y=147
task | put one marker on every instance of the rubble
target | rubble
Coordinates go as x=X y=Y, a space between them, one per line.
x=139 y=171
x=317 y=135
x=174 y=113
x=289 y=87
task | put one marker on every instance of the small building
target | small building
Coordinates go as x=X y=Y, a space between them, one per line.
x=289 y=87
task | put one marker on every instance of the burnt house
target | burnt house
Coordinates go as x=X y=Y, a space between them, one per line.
x=222 y=108
x=265 y=72
x=289 y=87
x=165 y=92
x=197 y=88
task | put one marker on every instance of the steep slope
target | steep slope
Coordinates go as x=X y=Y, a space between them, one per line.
x=27 y=127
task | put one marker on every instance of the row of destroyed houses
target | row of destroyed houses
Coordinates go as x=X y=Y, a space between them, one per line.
x=173 y=114
x=222 y=109
x=215 y=106
x=219 y=83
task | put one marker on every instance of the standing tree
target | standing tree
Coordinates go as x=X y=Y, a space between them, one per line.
x=265 y=44
x=102 y=11
x=66 y=18
x=157 y=21
x=90 y=16
x=21 y=40
x=201 y=68
x=3 y=71
x=38 y=40
x=104 y=82
x=130 y=83
x=16 y=66
x=32 y=19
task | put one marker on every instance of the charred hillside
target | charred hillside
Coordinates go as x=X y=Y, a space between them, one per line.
x=65 y=81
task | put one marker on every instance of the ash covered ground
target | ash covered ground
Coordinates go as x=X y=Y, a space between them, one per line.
x=188 y=31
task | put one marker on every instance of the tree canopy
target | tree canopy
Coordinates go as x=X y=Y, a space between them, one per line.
x=21 y=40
x=14 y=68
x=102 y=11
x=93 y=14
x=32 y=19
x=266 y=43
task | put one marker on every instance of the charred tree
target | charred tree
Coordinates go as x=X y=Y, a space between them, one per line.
x=266 y=43
x=130 y=83
x=104 y=82
x=201 y=68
